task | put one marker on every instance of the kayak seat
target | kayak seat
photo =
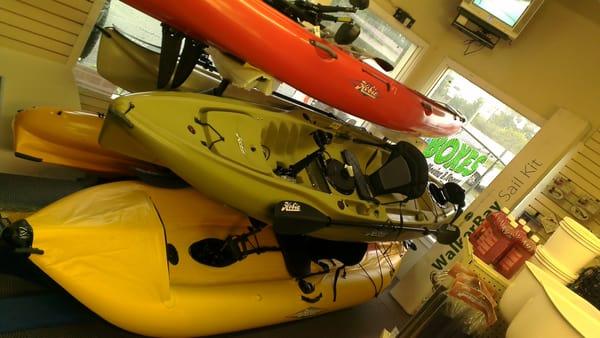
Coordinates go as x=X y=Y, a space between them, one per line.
x=404 y=172
x=299 y=251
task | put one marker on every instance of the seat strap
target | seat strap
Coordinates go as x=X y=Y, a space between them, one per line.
x=335 y=280
x=362 y=185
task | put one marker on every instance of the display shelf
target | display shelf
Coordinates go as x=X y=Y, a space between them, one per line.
x=486 y=272
x=493 y=279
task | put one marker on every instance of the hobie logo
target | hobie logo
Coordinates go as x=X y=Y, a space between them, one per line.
x=377 y=234
x=367 y=89
x=290 y=206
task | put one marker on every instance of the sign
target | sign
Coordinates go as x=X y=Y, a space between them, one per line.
x=504 y=193
x=515 y=183
x=454 y=155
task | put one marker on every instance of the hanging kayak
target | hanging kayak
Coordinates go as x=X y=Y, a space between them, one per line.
x=133 y=65
x=254 y=158
x=256 y=33
x=70 y=139
x=127 y=251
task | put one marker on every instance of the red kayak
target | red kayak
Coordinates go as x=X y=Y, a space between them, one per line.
x=260 y=35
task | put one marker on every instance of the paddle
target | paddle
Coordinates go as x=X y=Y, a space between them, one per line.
x=297 y=218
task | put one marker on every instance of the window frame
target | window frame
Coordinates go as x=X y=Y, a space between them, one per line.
x=448 y=63
x=384 y=12
x=408 y=62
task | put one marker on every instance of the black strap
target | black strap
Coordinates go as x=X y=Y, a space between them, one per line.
x=169 y=53
x=312 y=300
x=362 y=186
x=335 y=280
x=192 y=51
x=323 y=266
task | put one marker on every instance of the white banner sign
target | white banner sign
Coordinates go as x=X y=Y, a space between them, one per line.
x=561 y=133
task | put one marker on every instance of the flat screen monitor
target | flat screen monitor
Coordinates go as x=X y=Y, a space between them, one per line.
x=507 y=16
x=508 y=11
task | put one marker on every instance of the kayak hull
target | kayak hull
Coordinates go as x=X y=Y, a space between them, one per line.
x=106 y=246
x=260 y=35
x=232 y=155
x=134 y=67
x=68 y=139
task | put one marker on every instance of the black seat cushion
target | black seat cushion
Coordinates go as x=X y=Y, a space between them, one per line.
x=404 y=172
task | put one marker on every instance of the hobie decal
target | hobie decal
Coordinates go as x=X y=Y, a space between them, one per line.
x=366 y=89
x=290 y=206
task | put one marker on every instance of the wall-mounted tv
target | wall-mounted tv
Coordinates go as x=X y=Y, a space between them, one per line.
x=509 y=17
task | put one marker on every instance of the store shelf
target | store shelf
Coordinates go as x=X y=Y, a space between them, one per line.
x=495 y=280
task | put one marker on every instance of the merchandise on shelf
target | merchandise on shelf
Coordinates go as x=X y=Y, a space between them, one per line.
x=521 y=250
x=495 y=240
x=485 y=225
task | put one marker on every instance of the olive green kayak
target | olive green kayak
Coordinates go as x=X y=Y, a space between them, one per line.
x=262 y=160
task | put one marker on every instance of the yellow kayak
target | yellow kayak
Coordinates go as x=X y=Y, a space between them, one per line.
x=69 y=139
x=129 y=252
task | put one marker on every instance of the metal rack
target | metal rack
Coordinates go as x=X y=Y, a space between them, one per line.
x=495 y=280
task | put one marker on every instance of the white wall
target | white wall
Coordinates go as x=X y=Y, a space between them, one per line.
x=25 y=81
x=39 y=44
x=554 y=63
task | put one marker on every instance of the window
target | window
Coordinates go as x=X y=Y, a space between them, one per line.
x=382 y=36
x=129 y=20
x=493 y=134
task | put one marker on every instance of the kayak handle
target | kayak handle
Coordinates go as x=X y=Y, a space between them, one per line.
x=324 y=47
x=380 y=78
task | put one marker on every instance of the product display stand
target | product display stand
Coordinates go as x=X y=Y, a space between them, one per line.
x=419 y=320
x=431 y=314
x=493 y=278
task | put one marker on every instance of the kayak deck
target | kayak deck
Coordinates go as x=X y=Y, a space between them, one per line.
x=233 y=150
x=110 y=252
x=258 y=34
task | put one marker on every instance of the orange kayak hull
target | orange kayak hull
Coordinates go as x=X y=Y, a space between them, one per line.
x=260 y=35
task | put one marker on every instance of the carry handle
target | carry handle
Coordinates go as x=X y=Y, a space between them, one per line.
x=324 y=48
x=383 y=78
